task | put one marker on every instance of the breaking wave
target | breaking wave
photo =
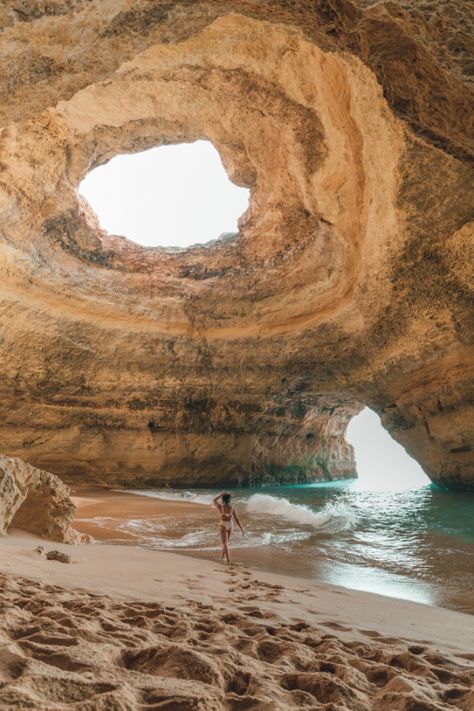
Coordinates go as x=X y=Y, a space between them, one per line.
x=332 y=517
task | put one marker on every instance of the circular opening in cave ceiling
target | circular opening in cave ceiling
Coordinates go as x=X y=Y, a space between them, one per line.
x=170 y=196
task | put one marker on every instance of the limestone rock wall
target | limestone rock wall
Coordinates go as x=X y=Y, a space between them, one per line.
x=349 y=282
x=35 y=501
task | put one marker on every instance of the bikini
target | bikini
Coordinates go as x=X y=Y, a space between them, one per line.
x=226 y=523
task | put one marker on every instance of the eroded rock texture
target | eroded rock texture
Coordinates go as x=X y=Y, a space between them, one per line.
x=35 y=501
x=349 y=282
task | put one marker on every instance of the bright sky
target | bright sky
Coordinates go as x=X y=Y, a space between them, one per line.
x=382 y=463
x=172 y=196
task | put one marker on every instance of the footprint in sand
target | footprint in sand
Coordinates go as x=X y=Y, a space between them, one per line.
x=201 y=656
x=336 y=626
x=252 y=611
x=380 y=637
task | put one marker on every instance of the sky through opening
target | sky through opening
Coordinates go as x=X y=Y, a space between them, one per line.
x=382 y=463
x=173 y=196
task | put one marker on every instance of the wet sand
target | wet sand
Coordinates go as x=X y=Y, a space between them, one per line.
x=170 y=525
x=114 y=506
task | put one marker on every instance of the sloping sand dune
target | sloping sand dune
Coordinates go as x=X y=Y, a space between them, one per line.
x=72 y=649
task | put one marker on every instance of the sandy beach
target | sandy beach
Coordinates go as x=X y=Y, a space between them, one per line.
x=111 y=507
x=122 y=627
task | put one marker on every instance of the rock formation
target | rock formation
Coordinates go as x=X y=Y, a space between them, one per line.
x=35 y=501
x=349 y=282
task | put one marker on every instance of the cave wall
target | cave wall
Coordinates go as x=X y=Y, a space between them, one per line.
x=349 y=282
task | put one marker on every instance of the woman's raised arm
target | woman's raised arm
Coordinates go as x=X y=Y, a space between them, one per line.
x=215 y=499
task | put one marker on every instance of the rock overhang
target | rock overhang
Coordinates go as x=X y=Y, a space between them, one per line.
x=274 y=128
x=305 y=305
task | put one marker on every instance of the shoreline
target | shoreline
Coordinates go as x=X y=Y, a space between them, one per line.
x=124 y=518
x=114 y=504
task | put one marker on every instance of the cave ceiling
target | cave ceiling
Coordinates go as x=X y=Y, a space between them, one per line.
x=348 y=284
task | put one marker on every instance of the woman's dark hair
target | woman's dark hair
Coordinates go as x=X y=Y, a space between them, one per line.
x=226 y=498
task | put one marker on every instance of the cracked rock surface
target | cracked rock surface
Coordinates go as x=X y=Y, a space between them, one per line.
x=35 y=501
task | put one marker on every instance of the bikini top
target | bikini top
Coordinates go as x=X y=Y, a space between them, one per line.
x=227 y=516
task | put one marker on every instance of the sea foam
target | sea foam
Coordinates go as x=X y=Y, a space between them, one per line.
x=331 y=517
x=171 y=495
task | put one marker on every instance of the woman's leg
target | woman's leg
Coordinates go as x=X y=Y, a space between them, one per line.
x=225 y=550
x=227 y=544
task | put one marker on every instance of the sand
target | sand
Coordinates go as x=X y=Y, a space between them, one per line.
x=122 y=628
x=115 y=506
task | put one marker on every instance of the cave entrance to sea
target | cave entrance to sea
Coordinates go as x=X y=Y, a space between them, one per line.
x=382 y=463
x=169 y=196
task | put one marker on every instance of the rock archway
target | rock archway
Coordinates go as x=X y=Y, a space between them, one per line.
x=245 y=360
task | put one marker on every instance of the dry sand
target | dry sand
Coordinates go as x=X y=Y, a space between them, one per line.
x=122 y=627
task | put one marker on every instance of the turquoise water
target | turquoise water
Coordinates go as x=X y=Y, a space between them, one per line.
x=415 y=544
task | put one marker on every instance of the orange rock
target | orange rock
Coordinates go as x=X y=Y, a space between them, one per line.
x=35 y=501
x=348 y=283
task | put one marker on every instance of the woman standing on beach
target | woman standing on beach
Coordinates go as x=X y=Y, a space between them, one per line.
x=227 y=517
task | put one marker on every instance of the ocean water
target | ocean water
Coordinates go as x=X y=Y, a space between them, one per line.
x=416 y=544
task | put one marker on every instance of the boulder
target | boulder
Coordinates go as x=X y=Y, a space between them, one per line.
x=36 y=501
x=58 y=555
